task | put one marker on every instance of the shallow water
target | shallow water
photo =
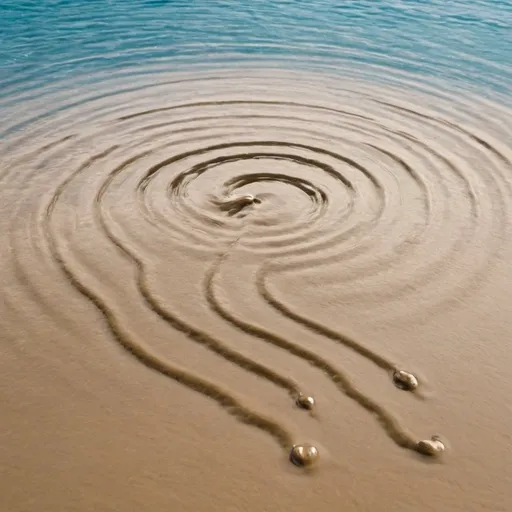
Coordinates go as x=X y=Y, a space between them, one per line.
x=230 y=204
x=49 y=40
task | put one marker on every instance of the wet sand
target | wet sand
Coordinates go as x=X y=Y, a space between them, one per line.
x=184 y=257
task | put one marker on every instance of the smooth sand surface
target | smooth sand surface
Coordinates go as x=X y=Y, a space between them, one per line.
x=182 y=257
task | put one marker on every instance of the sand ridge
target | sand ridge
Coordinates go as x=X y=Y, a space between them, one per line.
x=215 y=227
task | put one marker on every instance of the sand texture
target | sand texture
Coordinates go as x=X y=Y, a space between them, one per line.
x=203 y=270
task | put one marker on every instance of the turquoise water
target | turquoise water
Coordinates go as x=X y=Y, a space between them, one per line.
x=45 y=41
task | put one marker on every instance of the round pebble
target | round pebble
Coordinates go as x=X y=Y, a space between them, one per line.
x=405 y=380
x=304 y=454
x=305 y=402
x=432 y=447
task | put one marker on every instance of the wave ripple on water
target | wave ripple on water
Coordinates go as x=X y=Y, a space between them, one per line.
x=396 y=201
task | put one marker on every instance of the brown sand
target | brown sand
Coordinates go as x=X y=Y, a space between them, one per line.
x=182 y=258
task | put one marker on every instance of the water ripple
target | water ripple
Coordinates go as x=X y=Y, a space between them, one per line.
x=359 y=148
x=330 y=181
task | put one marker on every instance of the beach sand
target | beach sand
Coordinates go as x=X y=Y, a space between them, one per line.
x=182 y=258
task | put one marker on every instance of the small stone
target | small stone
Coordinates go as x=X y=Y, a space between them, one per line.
x=405 y=380
x=305 y=402
x=246 y=199
x=432 y=447
x=237 y=204
x=304 y=455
